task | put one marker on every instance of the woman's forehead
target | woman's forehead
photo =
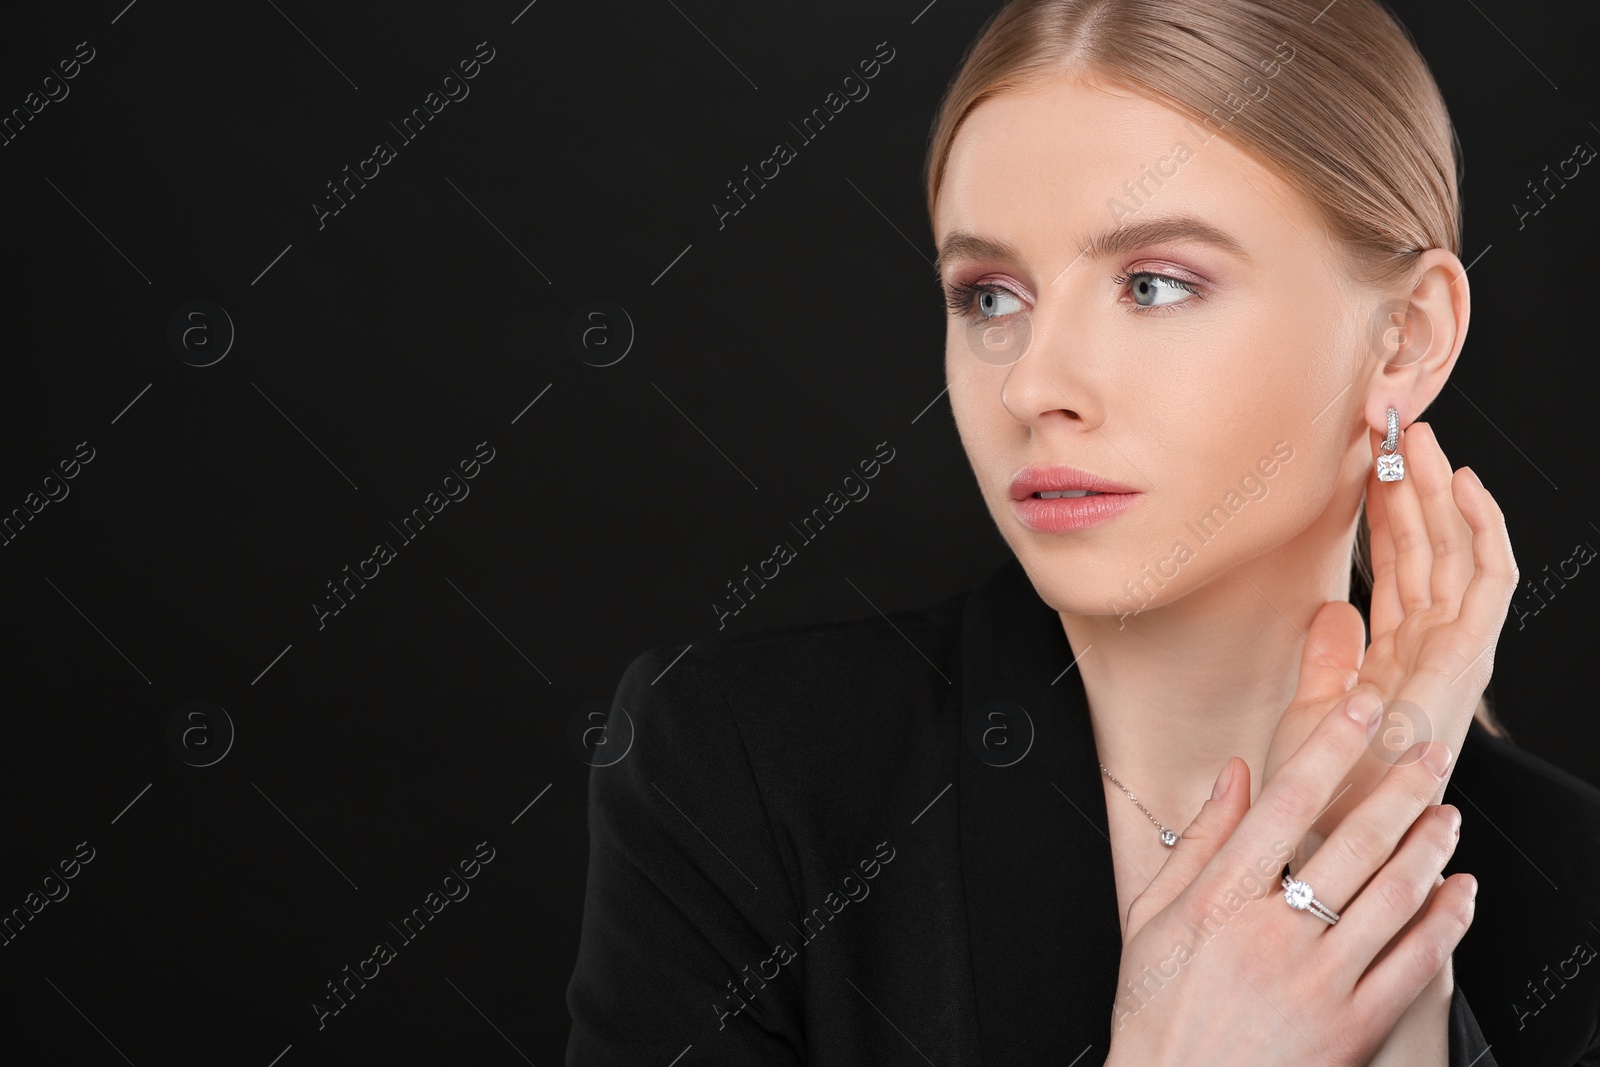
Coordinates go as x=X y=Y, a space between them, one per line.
x=1070 y=157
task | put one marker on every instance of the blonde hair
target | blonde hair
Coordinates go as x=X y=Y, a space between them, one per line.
x=1346 y=113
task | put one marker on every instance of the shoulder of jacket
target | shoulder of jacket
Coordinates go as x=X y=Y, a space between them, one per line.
x=800 y=694
x=1538 y=819
x=1531 y=779
x=775 y=656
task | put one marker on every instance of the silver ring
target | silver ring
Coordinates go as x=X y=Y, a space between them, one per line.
x=1301 y=898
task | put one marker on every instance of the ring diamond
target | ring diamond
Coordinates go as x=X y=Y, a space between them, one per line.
x=1301 y=898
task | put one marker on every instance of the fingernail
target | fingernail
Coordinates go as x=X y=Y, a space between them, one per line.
x=1437 y=758
x=1223 y=780
x=1363 y=708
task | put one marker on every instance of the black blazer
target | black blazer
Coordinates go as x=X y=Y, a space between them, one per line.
x=811 y=855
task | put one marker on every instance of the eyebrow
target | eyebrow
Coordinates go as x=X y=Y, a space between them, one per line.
x=1183 y=228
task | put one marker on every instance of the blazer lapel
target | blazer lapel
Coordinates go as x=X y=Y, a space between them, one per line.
x=1035 y=855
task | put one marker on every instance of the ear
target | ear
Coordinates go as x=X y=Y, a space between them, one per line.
x=1416 y=337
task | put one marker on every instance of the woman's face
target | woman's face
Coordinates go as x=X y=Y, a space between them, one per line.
x=1232 y=407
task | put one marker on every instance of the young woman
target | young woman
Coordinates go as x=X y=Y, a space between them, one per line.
x=1152 y=794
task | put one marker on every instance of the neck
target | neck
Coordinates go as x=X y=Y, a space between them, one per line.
x=1175 y=690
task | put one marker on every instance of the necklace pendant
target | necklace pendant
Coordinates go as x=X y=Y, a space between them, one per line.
x=1169 y=838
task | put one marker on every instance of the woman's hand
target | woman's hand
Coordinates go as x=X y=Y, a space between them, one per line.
x=1218 y=969
x=1422 y=1036
x=1443 y=574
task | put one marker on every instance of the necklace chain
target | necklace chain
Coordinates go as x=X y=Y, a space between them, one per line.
x=1168 y=838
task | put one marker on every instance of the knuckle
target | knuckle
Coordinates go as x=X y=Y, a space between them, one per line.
x=1420 y=786
x=1444 y=846
x=1409 y=540
x=1361 y=846
x=1444 y=837
x=1399 y=896
x=1289 y=799
x=1202 y=831
x=1432 y=954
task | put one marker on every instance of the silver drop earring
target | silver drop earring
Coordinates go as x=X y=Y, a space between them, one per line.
x=1391 y=464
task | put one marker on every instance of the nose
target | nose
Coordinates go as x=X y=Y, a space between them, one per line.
x=1053 y=382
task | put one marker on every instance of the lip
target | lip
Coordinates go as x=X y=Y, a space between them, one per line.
x=1030 y=480
x=1062 y=514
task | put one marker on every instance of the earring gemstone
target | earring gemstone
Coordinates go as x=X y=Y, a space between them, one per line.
x=1391 y=468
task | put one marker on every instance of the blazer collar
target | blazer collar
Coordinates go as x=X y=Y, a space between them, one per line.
x=1045 y=933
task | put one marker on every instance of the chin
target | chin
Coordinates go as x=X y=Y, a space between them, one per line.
x=1105 y=578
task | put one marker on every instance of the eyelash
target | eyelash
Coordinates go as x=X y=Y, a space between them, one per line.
x=1188 y=287
x=962 y=294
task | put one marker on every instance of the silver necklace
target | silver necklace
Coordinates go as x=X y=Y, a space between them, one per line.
x=1168 y=838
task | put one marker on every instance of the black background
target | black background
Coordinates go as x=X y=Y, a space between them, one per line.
x=374 y=353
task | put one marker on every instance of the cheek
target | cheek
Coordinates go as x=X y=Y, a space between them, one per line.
x=957 y=391
x=1238 y=392
x=1221 y=504
x=974 y=398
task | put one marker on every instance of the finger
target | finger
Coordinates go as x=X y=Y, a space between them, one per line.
x=1364 y=841
x=1330 y=666
x=1448 y=531
x=1396 y=896
x=1459 y=657
x=1411 y=923
x=1298 y=791
x=1494 y=576
x=1390 y=986
x=1384 y=609
x=1199 y=843
x=1413 y=551
x=1330 y=662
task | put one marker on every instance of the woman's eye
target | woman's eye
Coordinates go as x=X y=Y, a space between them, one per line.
x=1155 y=290
x=984 y=302
x=993 y=303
